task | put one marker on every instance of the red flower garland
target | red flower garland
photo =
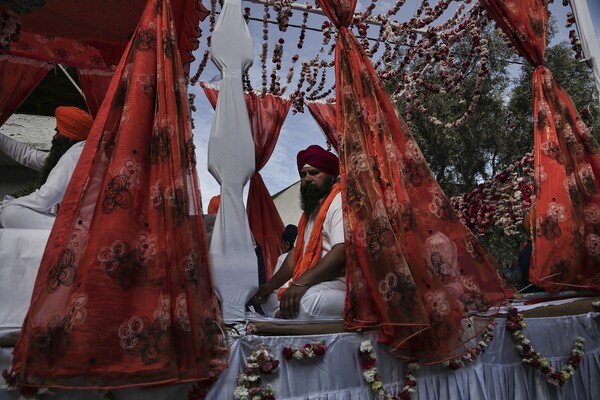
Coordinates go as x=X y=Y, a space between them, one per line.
x=309 y=350
x=372 y=377
x=532 y=357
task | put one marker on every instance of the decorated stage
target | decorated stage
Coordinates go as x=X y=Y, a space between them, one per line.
x=498 y=373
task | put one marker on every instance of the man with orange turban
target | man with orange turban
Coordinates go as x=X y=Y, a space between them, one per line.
x=37 y=210
x=311 y=283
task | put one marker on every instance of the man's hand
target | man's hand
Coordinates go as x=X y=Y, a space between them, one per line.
x=263 y=291
x=289 y=305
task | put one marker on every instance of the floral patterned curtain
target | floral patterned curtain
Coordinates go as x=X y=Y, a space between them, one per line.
x=324 y=114
x=124 y=294
x=18 y=77
x=413 y=268
x=267 y=114
x=567 y=205
x=94 y=84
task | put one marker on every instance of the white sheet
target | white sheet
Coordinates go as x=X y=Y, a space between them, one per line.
x=231 y=162
x=588 y=37
x=498 y=374
x=21 y=251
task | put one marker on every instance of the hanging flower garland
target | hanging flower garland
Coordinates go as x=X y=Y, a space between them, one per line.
x=515 y=325
x=502 y=201
x=283 y=8
x=309 y=350
x=10 y=383
x=441 y=63
x=471 y=355
x=371 y=376
x=575 y=42
x=10 y=28
x=249 y=387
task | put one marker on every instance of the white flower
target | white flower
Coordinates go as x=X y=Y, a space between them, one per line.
x=369 y=375
x=240 y=393
x=366 y=347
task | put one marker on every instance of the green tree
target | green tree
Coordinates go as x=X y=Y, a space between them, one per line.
x=500 y=131
x=574 y=76
x=462 y=157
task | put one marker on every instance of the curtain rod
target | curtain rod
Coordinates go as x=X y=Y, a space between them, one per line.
x=318 y=11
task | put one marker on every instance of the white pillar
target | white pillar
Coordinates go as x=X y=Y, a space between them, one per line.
x=231 y=162
x=589 y=40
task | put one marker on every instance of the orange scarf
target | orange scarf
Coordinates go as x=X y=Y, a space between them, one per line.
x=305 y=259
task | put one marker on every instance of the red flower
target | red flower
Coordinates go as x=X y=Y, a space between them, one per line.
x=511 y=326
x=288 y=353
x=410 y=383
x=254 y=390
x=319 y=350
x=27 y=391
x=454 y=365
x=585 y=112
x=269 y=367
x=368 y=364
x=556 y=375
x=575 y=359
x=404 y=396
x=545 y=370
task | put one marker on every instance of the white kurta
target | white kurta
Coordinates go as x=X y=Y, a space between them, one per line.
x=325 y=300
x=23 y=153
x=38 y=209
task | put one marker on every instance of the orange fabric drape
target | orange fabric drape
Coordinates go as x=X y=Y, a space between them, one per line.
x=413 y=268
x=324 y=114
x=94 y=84
x=18 y=77
x=124 y=295
x=267 y=114
x=567 y=207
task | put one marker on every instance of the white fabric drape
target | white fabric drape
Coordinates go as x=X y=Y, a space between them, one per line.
x=498 y=374
x=20 y=255
x=231 y=162
x=587 y=35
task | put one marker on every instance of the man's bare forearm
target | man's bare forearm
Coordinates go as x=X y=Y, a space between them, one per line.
x=285 y=272
x=331 y=266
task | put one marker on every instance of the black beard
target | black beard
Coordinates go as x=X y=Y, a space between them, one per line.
x=60 y=145
x=311 y=195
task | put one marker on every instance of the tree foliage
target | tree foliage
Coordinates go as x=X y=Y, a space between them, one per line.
x=500 y=131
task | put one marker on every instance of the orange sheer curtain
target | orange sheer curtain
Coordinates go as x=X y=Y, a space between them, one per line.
x=94 y=84
x=324 y=114
x=413 y=269
x=567 y=206
x=124 y=294
x=267 y=114
x=18 y=77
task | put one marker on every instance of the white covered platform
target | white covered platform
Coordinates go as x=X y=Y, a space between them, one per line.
x=498 y=373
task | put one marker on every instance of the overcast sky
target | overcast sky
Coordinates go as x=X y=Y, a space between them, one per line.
x=299 y=130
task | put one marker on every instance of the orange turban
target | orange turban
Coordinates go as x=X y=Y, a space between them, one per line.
x=213 y=204
x=73 y=122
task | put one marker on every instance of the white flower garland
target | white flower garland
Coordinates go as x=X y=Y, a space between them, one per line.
x=248 y=386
